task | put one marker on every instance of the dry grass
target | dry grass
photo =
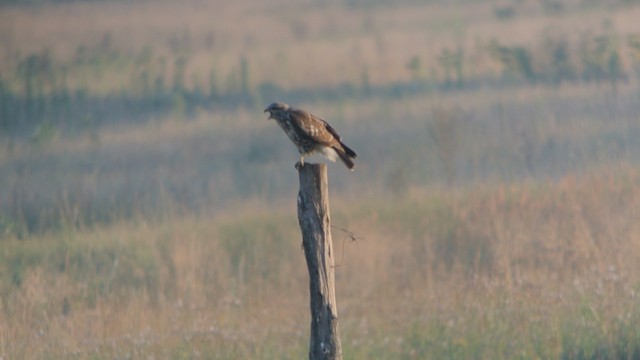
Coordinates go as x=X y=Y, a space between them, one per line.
x=544 y=270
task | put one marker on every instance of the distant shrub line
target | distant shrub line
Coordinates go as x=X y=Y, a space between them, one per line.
x=40 y=91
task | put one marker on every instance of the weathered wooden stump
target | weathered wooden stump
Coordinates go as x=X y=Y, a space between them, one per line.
x=315 y=224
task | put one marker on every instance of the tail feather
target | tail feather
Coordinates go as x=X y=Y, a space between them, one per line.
x=346 y=155
x=348 y=151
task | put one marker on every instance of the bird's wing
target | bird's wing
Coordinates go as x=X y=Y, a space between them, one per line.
x=314 y=127
x=331 y=130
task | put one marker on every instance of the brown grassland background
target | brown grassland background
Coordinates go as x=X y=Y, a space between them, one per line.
x=147 y=208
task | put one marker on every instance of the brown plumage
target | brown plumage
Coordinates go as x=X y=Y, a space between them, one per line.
x=310 y=134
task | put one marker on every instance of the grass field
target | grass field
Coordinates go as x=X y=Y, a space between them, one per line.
x=147 y=208
x=520 y=271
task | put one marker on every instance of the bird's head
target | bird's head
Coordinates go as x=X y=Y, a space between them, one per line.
x=276 y=108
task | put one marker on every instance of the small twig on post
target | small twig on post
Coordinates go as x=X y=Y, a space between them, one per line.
x=315 y=224
x=350 y=235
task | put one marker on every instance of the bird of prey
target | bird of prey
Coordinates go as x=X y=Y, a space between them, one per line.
x=310 y=134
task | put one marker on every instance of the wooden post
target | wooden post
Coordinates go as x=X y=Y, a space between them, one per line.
x=315 y=223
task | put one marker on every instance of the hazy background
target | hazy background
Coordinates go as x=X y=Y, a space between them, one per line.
x=147 y=207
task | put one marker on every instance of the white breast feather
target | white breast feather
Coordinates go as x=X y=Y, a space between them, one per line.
x=329 y=152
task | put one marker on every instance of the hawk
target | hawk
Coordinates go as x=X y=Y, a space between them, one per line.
x=310 y=134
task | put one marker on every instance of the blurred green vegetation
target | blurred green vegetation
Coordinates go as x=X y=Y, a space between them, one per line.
x=46 y=102
x=102 y=85
x=110 y=267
